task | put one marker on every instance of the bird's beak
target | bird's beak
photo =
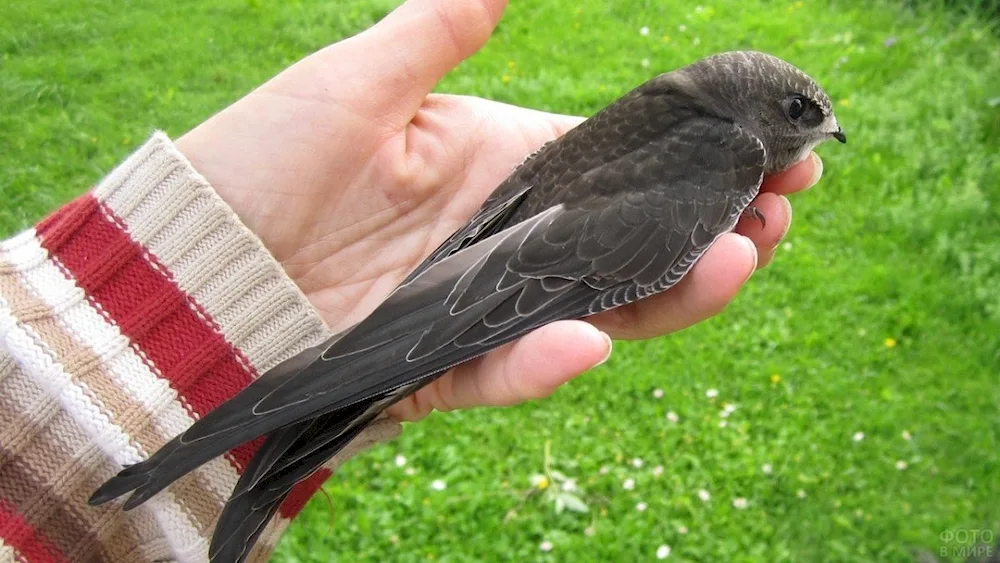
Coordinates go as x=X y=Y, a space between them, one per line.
x=839 y=135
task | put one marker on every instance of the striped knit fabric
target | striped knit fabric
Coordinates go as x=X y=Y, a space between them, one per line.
x=124 y=317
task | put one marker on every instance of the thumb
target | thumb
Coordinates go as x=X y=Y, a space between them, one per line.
x=402 y=58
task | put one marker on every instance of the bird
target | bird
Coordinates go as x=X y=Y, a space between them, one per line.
x=618 y=208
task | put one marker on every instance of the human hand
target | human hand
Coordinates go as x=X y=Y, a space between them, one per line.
x=351 y=173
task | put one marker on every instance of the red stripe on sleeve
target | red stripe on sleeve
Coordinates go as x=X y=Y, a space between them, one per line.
x=30 y=543
x=175 y=335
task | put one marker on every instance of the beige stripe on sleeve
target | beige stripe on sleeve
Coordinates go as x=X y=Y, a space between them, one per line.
x=89 y=370
x=46 y=471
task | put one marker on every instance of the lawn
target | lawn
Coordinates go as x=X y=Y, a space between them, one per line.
x=846 y=407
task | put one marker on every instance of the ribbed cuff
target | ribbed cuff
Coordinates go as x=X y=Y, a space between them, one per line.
x=170 y=209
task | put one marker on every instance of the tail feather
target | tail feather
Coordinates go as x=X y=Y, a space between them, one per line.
x=236 y=546
x=263 y=487
x=273 y=449
x=286 y=446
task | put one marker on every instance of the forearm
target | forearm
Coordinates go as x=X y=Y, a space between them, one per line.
x=126 y=315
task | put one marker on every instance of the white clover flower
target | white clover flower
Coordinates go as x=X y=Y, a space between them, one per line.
x=628 y=484
x=663 y=552
x=672 y=417
x=682 y=530
x=712 y=393
x=740 y=503
x=637 y=463
x=858 y=436
x=906 y=435
x=643 y=31
x=438 y=485
x=657 y=471
x=703 y=495
x=604 y=470
x=800 y=493
x=410 y=471
x=545 y=546
x=766 y=469
x=641 y=507
x=657 y=393
x=400 y=461
x=901 y=465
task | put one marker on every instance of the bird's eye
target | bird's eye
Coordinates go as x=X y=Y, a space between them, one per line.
x=795 y=108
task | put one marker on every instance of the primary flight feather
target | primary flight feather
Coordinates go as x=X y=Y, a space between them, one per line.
x=617 y=209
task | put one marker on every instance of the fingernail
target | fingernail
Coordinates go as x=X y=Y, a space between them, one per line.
x=610 y=346
x=753 y=250
x=817 y=171
x=788 y=224
x=788 y=209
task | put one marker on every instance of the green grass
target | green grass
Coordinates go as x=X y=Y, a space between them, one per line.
x=900 y=241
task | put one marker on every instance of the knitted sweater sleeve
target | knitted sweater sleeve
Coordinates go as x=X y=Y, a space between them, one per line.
x=125 y=316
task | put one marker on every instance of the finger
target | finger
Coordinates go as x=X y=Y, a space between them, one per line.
x=777 y=212
x=530 y=368
x=403 y=57
x=802 y=176
x=705 y=291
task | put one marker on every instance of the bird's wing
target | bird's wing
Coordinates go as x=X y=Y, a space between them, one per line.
x=622 y=230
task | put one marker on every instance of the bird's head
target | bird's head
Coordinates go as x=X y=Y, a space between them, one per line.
x=772 y=98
